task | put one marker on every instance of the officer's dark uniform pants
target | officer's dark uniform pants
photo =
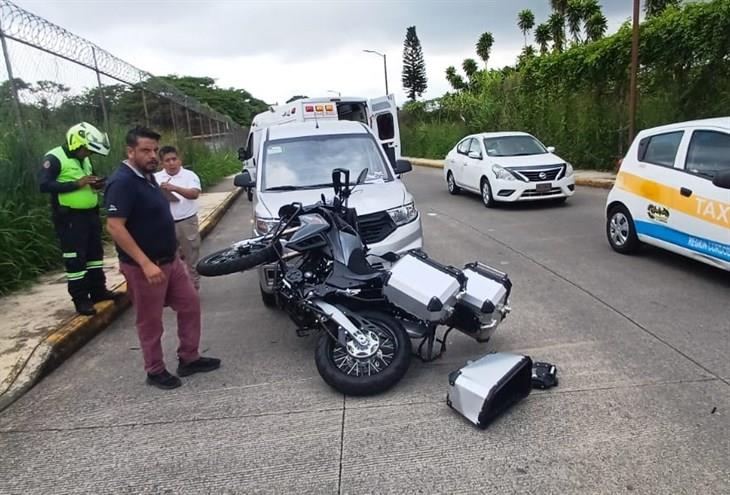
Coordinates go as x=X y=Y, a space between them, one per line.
x=79 y=233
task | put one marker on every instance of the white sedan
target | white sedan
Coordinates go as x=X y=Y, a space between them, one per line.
x=509 y=167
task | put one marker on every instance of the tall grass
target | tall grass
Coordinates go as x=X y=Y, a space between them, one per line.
x=28 y=244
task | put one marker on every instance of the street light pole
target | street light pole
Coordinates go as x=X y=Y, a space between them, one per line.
x=385 y=67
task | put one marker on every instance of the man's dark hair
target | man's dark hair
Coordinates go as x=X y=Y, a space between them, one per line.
x=140 y=132
x=167 y=149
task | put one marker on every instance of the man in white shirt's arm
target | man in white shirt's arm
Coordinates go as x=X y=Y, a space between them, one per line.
x=182 y=188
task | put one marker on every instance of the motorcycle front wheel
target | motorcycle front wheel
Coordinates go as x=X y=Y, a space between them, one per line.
x=370 y=369
x=236 y=259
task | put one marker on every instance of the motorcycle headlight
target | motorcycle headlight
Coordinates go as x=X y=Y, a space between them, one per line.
x=264 y=225
x=404 y=214
x=568 y=169
x=502 y=173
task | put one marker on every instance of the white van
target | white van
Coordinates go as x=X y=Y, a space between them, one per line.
x=379 y=114
x=673 y=191
x=295 y=163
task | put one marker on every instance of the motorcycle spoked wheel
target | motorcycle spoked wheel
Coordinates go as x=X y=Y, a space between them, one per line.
x=351 y=374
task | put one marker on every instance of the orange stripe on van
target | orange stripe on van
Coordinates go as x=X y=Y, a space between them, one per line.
x=709 y=210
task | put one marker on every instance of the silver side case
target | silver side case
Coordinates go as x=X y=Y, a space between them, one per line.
x=483 y=304
x=422 y=287
x=484 y=388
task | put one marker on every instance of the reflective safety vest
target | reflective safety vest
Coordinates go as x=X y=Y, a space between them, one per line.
x=72 y=170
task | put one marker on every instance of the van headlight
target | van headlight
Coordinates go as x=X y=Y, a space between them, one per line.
x=568 y=169
x=502 y=173
x=404 y=214
x=264 y=225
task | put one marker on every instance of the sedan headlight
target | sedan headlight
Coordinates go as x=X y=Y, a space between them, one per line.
x=568 y=169
x=264 y=225
x=502 y=173
x=403 y=214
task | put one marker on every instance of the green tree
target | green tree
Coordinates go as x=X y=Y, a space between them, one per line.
x=484 y=46
x=596 y=26
x=656 y=7
x=574 y=14
x=559 y=6
x=556 y=24
x=525 y=21
x=237 y=103
x=454 y=79
x=543 y=37
x=414 y=68
x=470 y=67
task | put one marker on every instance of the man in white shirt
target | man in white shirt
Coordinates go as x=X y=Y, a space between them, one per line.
x=182 y=188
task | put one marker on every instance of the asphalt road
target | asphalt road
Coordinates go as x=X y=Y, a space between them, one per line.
x=643 y=404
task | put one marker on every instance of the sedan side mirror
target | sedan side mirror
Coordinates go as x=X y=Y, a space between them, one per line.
x=475 y=155
x=244 y=180
x=551 y=149
x=722 y=179
x=402 y=166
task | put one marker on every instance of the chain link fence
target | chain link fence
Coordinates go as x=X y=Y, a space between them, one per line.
x=51 y=79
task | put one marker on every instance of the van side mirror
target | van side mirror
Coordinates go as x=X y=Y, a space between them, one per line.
x=551 y=149
x=722 y=179
x=402 y=166
x=243 y=154
x=244 y=180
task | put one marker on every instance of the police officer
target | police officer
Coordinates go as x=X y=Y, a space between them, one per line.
x=67 y=174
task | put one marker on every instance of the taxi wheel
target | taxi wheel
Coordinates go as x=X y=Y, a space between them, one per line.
x=620 y=230
x=451 y=183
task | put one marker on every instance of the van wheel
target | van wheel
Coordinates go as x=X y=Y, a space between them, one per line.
x=487 y=197
x=451 y=184
x=620 y=231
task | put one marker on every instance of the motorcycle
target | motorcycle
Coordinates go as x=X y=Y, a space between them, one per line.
x=367 y=316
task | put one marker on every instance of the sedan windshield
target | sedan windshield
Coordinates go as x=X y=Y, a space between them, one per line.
x=308 y=162
x=513 y=146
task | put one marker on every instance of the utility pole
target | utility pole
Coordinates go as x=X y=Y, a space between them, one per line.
x=385 y=67
x=634 y=70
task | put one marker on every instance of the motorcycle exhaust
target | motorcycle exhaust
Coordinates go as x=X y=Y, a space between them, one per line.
x=485 y=388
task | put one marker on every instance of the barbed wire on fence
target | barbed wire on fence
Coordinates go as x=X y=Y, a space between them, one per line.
x=24 y=27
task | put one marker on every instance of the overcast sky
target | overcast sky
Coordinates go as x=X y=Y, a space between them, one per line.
x=276 y=49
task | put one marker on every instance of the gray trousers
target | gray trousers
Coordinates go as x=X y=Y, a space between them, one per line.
x=188 y=238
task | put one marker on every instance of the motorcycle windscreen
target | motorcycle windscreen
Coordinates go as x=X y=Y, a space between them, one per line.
x=485 y=388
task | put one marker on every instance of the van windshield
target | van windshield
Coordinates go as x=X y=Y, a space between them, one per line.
x=513 y=146
x=308 y=162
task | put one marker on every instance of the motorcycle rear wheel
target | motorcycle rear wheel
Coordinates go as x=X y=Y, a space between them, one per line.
x=352 y=375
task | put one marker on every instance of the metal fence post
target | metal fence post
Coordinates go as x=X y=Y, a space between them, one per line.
x=146 y=112
x=174 y=120
x=13 y=88
x=187 y=116
x=101 y=90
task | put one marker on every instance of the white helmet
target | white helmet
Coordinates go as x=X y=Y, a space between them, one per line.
x=87 y=136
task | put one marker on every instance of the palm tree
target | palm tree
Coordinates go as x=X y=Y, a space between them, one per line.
x=574 y=14
x=470 y=67
x=655 y=7
x=559 y=6
x=484 y=46
x=456 y=81
x=542 y=37
x=525 y=21
x=596 y=27
x=556 y=24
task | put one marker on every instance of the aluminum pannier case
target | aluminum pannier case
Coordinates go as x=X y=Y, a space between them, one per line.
x=484 y=302
x=424 y=288
x=485 y=388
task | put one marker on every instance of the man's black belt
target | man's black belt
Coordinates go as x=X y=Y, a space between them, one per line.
x=186 y=218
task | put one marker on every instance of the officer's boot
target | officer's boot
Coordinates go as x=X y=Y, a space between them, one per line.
x=84 y=307
x=79 y=291
x=96 y=281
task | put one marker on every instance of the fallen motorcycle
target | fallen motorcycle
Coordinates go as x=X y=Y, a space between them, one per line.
x=367 y=316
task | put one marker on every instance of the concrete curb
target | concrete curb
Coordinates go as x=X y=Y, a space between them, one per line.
x=73 y=333
x=580 y=181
